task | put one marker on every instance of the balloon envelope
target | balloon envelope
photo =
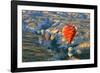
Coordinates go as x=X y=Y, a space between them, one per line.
x=69 y=32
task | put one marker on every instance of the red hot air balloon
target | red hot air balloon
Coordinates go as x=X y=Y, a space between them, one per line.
x=69 y=32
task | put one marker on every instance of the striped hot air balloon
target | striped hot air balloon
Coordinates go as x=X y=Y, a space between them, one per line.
x=69 y=32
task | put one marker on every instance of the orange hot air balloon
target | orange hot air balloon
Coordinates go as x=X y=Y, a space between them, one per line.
x=69 y=32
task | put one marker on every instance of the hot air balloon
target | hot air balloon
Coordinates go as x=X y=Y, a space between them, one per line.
x=69 y=32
